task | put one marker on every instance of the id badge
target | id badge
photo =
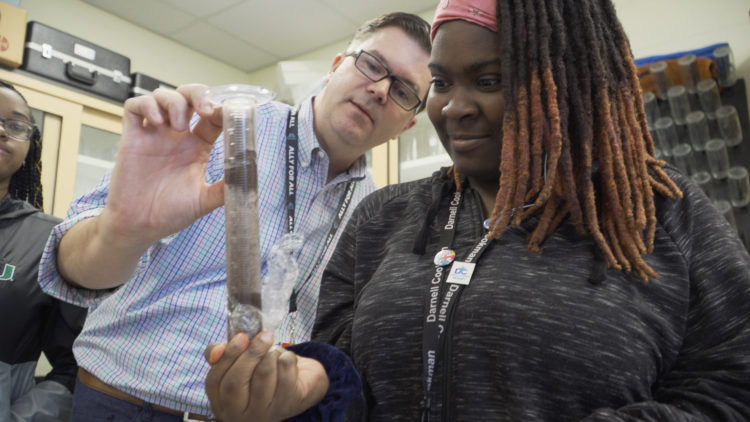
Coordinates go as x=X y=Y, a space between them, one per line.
x=461 y=272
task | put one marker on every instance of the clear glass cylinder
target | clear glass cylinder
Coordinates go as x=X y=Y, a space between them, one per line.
x=651 y=105
x=717 y=157
x=666 y=135
x=658 y=71
x=705 y=182
x=725 y=209
x=679 y=104
x=724 y=59
x=682 y=157
x=697 y=128
x=708 y=95
x=689 y=73
x=729 y=125
x=739 y=186
x=657 y=154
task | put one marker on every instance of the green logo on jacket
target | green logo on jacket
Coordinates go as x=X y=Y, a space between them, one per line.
x=8 y=272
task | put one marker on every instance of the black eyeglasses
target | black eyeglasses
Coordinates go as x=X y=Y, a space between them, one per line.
x=20 y=130
x=401 y=93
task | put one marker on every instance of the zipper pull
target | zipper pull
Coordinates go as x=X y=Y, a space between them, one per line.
x=425 y=410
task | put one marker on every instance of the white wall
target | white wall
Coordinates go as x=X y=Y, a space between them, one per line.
x=666 y=26
x=267 y=76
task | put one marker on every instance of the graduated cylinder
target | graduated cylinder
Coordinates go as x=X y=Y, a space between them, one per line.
x=244 y=287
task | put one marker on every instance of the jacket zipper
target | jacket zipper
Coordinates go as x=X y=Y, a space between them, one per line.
x=446 y=411
x=447 y=366
x=447 y=402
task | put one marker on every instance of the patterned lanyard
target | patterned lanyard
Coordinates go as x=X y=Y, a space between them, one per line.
x=292 y=159
x=448 y=283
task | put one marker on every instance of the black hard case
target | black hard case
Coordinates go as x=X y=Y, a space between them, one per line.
x=144 y=84
x=62 y=57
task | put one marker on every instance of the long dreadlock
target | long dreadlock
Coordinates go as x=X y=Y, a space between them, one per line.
x=26 y=182
x=573 y=107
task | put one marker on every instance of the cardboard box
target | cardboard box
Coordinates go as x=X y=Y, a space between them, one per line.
x=12 y=34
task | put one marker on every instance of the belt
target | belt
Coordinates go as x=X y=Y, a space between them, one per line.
x=89 y=380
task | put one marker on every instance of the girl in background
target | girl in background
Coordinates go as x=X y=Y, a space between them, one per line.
x=32 y=322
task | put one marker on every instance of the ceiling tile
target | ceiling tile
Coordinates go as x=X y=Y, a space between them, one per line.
x=252 y=34
x=271 y=26
x=153 y=15
x=360 y=11
x=223 y=46
x=202 y=8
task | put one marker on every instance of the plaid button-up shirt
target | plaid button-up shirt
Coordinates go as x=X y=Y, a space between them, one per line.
x=147 y=337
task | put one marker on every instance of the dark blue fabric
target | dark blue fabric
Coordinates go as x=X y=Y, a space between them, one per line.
x=345 y=383
x=707 y=52
x=92 y=406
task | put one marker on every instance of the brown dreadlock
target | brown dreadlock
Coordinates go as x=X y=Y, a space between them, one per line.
x=26 y=183
x=573 y=106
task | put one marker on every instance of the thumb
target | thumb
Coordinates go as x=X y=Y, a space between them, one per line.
x=213 y=197
x=214 y=352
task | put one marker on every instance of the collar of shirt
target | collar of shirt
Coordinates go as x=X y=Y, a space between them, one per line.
x=310 y=148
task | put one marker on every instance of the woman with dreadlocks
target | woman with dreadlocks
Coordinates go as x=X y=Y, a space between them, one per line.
x=557 y=271
x=32 y=321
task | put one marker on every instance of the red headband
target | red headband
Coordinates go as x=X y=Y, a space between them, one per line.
x=480 y=12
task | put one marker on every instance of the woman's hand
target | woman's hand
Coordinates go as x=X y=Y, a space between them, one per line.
x=254 y=381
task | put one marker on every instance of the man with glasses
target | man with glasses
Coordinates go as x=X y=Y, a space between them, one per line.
x=145 y=250
x=376 y=71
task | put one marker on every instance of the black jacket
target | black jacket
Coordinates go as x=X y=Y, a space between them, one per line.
x=551 y=337
x=31 y=321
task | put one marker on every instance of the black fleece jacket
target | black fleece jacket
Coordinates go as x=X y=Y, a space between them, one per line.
x=551 y=337
x=32 y=321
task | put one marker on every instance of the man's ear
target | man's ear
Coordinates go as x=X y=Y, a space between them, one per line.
x=335 y=64
x=408 y=126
